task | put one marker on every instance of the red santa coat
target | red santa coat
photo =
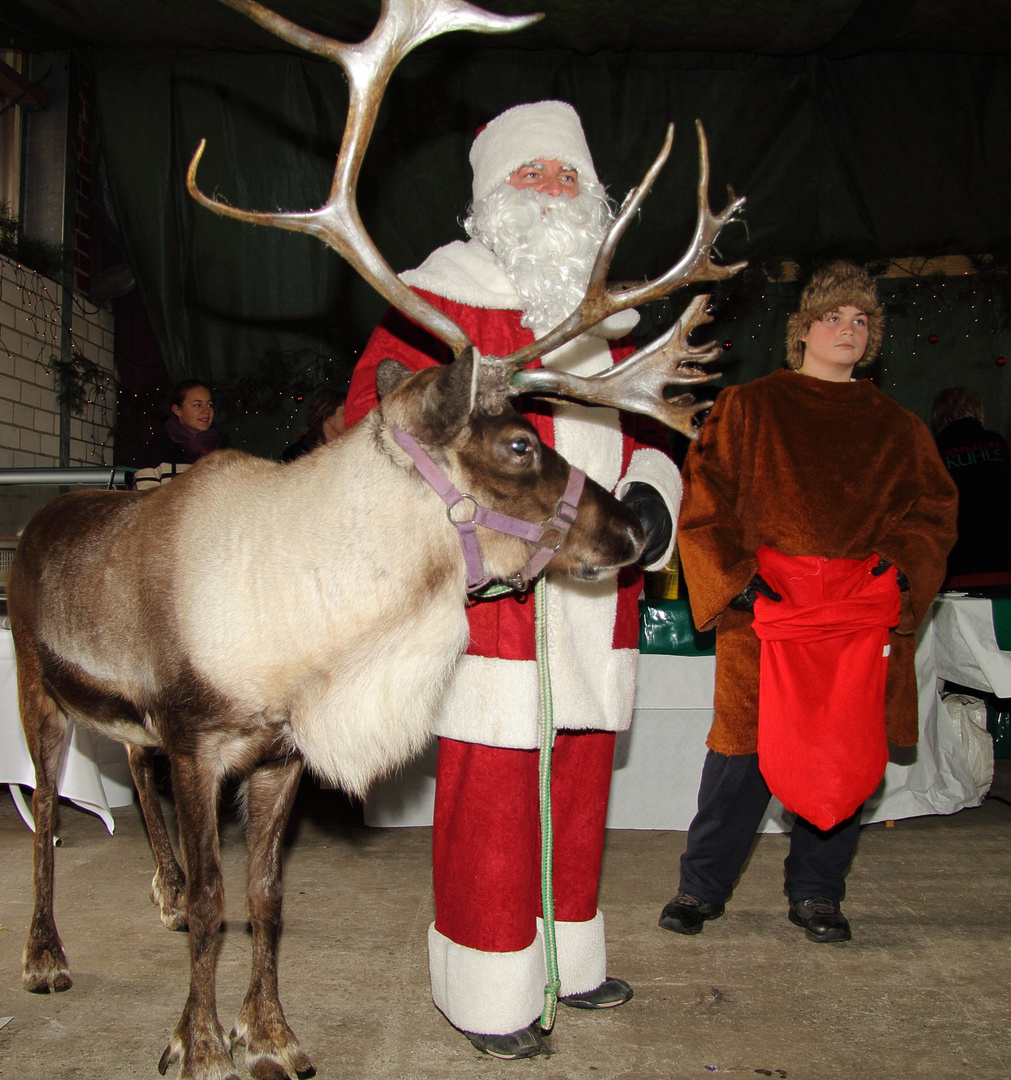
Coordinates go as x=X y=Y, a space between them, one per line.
x=593 y=627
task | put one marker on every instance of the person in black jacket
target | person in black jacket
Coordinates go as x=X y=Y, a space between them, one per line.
x=326 y=423
x=980 y=465
x=186 y=436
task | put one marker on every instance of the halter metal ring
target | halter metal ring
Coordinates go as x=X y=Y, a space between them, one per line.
x=462 y=521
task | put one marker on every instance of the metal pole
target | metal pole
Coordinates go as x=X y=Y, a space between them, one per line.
x=69 y=244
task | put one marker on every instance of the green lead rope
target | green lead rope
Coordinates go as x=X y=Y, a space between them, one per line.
x=547 y=837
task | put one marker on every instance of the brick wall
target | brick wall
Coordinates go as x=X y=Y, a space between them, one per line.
x=30 y=321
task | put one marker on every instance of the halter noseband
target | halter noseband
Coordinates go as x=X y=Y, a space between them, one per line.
x=540 y=534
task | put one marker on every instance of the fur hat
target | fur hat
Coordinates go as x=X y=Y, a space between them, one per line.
x=829 y=289
x=545 y=130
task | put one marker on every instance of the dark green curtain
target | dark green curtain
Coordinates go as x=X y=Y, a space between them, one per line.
x=875 y=156
x=939 y=332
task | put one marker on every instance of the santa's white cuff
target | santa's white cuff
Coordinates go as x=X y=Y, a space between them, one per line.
x=494 y=993
x=491 y=993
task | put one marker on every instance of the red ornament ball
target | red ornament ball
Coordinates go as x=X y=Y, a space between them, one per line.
x=932 y=339
x=1001 y=361
x=728 y=344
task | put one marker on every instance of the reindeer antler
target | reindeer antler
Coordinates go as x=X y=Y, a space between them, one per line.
x=368 y=65
x=638 y=382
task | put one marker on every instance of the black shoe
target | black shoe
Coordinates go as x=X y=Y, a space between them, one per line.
x=822 y=920
x=524 y=1043
x=611 y=992
x=685 y=914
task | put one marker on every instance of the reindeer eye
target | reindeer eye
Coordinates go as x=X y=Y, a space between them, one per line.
x=520 y=446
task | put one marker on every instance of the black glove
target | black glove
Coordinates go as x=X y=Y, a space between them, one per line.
x=901 y=578
x=745 y=601
x=647 y=505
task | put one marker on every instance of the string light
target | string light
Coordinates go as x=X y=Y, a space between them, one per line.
x=940 y=331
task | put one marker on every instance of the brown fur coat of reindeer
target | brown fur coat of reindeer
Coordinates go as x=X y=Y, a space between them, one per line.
x=345 y=557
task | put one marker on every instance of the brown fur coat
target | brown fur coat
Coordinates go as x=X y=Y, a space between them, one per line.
x=809 y=467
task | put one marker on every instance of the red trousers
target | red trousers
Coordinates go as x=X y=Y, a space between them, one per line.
x=486 y=850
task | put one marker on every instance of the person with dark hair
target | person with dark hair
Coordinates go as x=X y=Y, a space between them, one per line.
x=326 y=423
x=187 y=434
x=813 y=532
x=980 y=465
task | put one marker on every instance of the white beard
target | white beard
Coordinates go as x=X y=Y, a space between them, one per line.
x=546 y=244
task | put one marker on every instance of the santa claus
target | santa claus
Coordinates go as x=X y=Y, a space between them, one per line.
x=537 y=220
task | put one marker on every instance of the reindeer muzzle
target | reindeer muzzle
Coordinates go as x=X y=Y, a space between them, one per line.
x=546 y=536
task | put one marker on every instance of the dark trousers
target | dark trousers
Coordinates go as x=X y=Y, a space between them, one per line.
x=733 y=798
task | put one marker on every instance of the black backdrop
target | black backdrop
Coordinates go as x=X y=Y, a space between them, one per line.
x=876 y=156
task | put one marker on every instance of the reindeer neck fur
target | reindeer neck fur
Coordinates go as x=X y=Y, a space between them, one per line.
x=263 y=578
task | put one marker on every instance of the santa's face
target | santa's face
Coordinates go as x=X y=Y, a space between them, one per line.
x=547 y=177
x=545 y=240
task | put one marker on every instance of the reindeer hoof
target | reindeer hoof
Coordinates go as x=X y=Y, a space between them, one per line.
x=168 y=1058
x=42 y=984
x=45 y=970
x=274 y=1053
x=265 y=1070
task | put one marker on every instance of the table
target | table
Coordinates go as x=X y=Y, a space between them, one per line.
x=658 y=761
x=94 y=772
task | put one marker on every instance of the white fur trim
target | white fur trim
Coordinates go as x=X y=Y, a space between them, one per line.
x=496 y=702
x=467 y=272
x=491 y=993
x=649 y=466
x=540 y=130
x=582 y=954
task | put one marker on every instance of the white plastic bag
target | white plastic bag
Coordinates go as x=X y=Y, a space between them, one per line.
x=969 y=715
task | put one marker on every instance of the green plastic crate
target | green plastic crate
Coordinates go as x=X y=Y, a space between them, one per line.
x=1001 y=609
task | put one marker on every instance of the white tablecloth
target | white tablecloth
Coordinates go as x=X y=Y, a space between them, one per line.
x=658 y=761
x=94 y=772
x=967 y=651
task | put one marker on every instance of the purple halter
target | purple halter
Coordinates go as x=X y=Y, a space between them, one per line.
x=555 y=528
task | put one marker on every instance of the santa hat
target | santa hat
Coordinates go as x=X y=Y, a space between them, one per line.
x=829 y=289
x=545 y=130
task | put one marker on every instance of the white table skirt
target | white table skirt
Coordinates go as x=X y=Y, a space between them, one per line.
x=94 y=772
x=658 y=761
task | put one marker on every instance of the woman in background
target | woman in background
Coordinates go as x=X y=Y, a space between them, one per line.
x=186 y=436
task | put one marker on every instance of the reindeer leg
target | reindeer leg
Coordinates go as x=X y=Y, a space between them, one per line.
x=199 y=1042
x=272 y=1050
x=169 y=883
x=44 y=964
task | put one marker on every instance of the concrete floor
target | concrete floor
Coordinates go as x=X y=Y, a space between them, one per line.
x=923 y=990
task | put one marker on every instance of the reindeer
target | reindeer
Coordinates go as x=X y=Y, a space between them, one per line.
x=252 y=618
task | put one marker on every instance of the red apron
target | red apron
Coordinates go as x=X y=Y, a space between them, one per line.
x=821 y=695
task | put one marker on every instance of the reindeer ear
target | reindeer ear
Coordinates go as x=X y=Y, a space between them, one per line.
x=389 y=375
x=446 y=404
